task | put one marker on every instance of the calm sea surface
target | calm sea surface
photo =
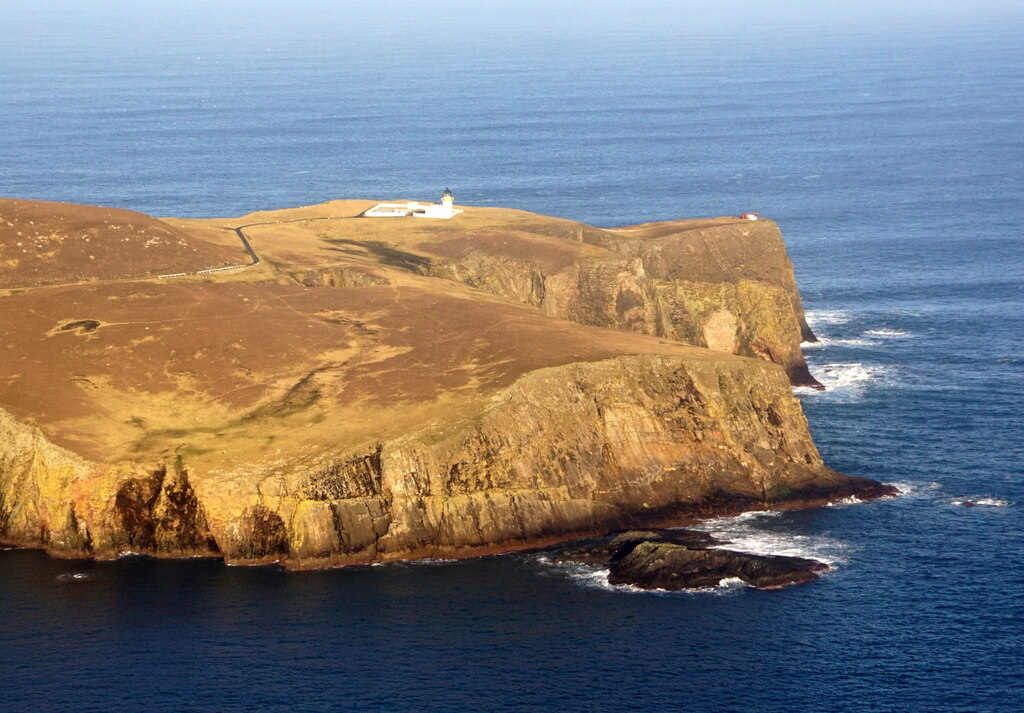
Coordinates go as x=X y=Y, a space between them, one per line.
x=894 y=163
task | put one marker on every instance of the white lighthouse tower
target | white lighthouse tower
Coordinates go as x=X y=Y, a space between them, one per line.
x=444 y=211
x=416 y=210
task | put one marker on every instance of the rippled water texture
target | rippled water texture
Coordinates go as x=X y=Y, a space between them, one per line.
x=892 y=162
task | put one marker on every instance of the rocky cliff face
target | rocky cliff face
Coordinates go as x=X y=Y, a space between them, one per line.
x=727 y=285
x=562 y=452
x=50 y=497
x=724 y=284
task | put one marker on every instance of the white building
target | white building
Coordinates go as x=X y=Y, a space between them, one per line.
x=416 y=210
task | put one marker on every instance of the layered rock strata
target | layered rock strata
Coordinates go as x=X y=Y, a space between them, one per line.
x=564 y=451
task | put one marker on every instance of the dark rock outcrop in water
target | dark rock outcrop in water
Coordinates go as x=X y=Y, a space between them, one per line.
x=683 y=559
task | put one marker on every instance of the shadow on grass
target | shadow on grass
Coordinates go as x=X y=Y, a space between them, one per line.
x=384 y=253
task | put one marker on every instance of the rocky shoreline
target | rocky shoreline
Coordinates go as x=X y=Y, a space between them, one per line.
x=660 y=564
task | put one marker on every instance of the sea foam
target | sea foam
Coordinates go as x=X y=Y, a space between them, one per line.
x=821 y=317
x=72 y=577
x=983 y=501
x=596 y=577
x=869 y=338
x=821 y=320
x=907 y=487
x=837 y=342
x=887 y=333
x=744 y=533
x=841 y=502
x=846 y=379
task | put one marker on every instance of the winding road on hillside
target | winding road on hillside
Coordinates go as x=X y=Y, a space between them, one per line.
x=240 y=232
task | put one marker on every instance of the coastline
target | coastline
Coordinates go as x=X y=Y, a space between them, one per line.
x=868 y=491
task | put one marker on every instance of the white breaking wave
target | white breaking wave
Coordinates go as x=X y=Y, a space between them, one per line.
x=849 y=377
x=837 y=342
x=73 y=577
x=821 y=320
x=743 y=534
x=431 y=561
x=821 y=317
x=400 y=564
x=850 y=500
x=983 y=501
x=742 y=517
x=887 y=333
x=854 y=500
x=931 y=491
x=595 y=577
x=870 y=338
x=908 y=488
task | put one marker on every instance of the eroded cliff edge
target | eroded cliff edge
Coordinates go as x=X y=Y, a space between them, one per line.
x=388 y=415
x=725 y=284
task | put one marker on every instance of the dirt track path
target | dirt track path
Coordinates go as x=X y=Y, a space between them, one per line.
x=240 y=232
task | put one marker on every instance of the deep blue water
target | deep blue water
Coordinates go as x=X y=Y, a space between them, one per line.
x=893 y=160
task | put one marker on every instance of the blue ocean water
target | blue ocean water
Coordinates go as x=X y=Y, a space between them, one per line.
x=893 y=160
